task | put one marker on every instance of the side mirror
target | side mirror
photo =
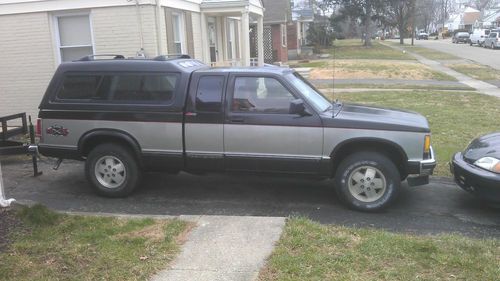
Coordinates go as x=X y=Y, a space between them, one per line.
x=297 y=107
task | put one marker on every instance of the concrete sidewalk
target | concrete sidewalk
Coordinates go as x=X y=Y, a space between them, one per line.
x=224 y=248
x=480 y=86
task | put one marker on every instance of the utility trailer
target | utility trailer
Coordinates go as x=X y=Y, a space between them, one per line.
x=11 y=137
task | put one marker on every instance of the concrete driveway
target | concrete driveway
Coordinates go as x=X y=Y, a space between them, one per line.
x=475 y=53
x=440 y=207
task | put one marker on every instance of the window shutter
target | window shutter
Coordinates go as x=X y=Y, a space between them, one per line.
x=189 y=33
x=170 y=31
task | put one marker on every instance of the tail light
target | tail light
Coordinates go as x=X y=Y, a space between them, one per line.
x=38 y=128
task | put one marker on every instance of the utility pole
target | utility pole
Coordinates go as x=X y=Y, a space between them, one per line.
x=413 y=4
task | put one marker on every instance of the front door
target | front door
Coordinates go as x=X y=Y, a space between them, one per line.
x=212 y=38
x=261 y=135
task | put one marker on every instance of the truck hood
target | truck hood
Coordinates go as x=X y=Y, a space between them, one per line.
x=485 y=146
x=377 y=118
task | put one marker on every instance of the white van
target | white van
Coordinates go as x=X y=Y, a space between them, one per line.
x=477 y=37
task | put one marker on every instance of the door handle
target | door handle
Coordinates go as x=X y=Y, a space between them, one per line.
x=237 y=120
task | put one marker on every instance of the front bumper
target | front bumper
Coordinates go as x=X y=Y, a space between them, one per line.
x=423 y=171
x=484 y=184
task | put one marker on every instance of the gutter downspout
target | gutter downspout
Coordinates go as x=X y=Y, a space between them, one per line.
x=141 y=35
x=159 y=41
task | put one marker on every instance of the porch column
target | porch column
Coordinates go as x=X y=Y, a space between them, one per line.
x=204 y=39
x=245 y=39
x=260 y=40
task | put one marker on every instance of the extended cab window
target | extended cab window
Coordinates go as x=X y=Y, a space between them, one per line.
x=260 y=95
x=209 y=93
x=79 y=87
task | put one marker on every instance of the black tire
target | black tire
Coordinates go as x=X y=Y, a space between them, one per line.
x=357 y=162
x=130 y=177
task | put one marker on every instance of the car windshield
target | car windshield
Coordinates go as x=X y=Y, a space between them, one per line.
x=463 y=34
x=310 y=93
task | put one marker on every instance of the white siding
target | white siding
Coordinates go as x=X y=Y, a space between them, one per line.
x=117 y=31
x=197 y=41
x=27 y=63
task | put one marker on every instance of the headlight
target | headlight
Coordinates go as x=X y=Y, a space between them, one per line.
x=489 y=163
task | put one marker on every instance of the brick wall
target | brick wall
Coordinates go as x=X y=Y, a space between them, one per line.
x=282 y=51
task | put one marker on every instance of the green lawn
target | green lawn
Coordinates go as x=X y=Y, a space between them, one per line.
x=354 y=49
x=476 y=71
x=310 y=251
x=51 y=246
x=455 y=117
x=425 y=52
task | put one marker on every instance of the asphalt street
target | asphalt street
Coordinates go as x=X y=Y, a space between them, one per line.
x=475 y=53
x=440 y=207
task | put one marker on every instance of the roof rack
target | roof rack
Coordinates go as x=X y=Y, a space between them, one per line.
x=171 y=57
x=92 y=57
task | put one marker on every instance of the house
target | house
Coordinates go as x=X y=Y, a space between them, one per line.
x=491 y=18
x=302 y=17
x=276 y=16
x=38 y=35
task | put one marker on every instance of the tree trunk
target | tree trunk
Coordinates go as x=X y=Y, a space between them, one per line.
x=368 y=20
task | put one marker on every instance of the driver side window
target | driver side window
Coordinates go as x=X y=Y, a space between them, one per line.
x=260 y=95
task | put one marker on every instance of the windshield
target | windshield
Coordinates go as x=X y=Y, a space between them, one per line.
x=310 y=93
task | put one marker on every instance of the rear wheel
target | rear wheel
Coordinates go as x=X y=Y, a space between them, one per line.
x=112 y=170
x=492 y=46
x=367 y=181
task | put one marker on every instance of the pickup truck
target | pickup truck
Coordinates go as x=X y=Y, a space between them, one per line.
x=124 y=117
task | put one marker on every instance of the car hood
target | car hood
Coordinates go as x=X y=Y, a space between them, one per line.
x=377 y=118
x=488 y=145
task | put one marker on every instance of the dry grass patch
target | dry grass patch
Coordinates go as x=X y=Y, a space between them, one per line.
x=476 y=71
x=64 y=247
x=377 y=69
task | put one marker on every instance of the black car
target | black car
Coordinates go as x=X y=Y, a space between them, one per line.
x=477 y=169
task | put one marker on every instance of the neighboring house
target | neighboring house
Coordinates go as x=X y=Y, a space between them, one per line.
x=37 y=35
x=302 y=16
x=491 y=19
x=276 y=16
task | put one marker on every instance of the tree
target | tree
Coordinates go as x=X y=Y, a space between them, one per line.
x=365 y=12
x=399 y=13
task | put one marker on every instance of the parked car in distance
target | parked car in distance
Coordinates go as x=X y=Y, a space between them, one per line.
x=460 y=37
x=127 y=116
x=477 y=169
x=423 y=36
x=492 y=40
x=477 y=37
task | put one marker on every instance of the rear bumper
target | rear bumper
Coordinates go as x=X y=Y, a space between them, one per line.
x=480 y=182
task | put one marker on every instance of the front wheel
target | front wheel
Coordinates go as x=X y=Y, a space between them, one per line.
x=112 y=170
x=367 y=181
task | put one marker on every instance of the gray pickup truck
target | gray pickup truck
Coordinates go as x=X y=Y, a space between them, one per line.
x=124 y=117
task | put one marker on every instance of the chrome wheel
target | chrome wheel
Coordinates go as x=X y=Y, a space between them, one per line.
x=367 y=184
x=110 y=172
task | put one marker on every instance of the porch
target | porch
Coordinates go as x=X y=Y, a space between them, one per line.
x=225 y=32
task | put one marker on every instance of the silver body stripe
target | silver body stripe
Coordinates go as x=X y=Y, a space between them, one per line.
x=152 y=136
x=273 y=140
x=204 y=138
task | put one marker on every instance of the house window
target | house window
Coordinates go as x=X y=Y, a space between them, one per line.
x=283 y=35
x=178 y=26
x=74 y=37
